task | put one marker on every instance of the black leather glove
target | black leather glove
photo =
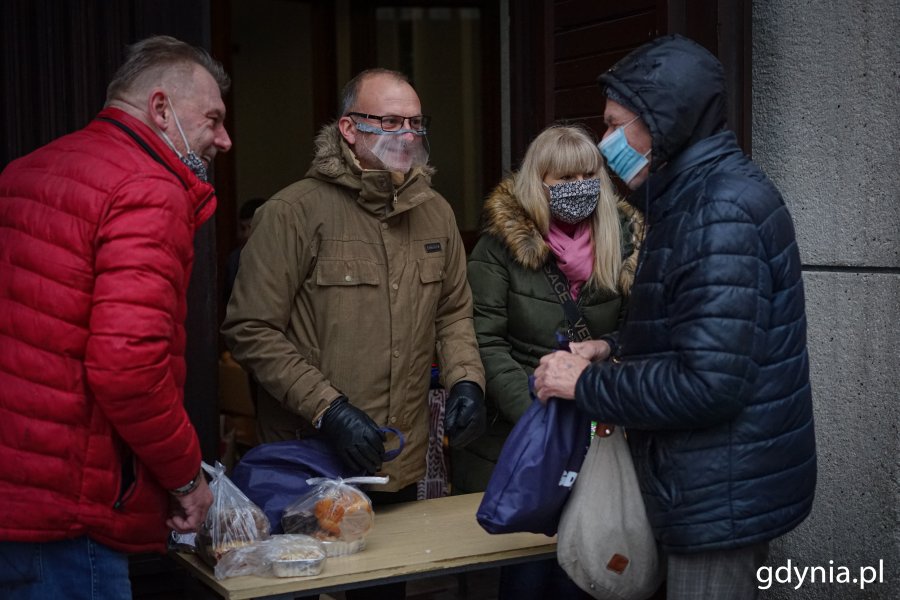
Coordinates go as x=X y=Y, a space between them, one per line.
x=464 y=418
x=357 y=439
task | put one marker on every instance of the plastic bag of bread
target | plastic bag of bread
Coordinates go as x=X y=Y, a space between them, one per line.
x=335 y=512
x=277 y=556
x=233 y=520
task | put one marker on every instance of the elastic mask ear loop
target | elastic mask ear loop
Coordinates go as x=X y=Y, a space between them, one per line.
x=187 y=146
x=645 y=154
x=169 y=142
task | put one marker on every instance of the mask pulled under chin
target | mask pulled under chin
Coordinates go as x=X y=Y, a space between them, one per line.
x=196 y=165
x=191 y=160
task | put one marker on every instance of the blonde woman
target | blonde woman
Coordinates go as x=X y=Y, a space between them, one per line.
x=561 y=207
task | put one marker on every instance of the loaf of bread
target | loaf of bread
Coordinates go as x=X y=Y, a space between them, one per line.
x=230 y=528
x=329 y=513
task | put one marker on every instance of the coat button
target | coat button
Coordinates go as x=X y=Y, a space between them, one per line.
x=348 y=278
x=396 y=354
x=384 y=225
x=395 y=286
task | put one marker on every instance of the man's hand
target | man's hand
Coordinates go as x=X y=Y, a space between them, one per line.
x=557 y=375
x=593 y=350
x=356 y=437
x=465 y=416
x=187 y=512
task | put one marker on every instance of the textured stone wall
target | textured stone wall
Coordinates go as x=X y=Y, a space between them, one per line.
x=826 y=128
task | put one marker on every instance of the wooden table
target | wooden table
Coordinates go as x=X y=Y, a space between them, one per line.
x=410 y=541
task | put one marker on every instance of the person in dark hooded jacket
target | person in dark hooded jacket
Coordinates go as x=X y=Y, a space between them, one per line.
x=709 y=371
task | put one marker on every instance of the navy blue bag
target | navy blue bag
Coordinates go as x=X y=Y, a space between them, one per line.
x=273 y=475
x=536 y=469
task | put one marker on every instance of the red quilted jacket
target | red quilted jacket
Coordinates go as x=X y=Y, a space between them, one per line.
x=96 y=249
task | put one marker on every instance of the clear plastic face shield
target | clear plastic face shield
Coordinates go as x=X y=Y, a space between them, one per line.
x=395 y=150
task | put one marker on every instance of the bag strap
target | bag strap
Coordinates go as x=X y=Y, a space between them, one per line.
x=577 y=330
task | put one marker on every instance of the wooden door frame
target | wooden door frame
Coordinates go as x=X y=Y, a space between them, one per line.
x=324 y=96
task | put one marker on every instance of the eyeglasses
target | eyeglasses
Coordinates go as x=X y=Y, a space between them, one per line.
x=395 y=122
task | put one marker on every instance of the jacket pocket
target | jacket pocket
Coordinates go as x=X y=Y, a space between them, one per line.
x=348 y=304
x=657 y=476
x=431 y=278
x=346 y=273
x=131 y=477
x=20 y=563
x=431 y=270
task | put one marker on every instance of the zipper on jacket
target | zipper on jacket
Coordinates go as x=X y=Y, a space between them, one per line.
x=203 y=203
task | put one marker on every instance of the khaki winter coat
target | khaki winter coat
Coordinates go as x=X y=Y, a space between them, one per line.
x=353 y=285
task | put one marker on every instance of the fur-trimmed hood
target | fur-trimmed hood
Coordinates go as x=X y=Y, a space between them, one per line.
x=505 y=219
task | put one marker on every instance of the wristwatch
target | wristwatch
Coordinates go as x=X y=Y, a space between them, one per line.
x=189 y=487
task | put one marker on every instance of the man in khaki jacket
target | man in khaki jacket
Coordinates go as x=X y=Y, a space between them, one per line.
x=352 y=281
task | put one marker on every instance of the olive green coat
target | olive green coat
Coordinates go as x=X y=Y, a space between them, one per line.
x=516 y=317
x=353 y=285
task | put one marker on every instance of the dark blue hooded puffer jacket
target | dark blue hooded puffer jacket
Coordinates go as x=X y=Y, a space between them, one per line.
x=711 y=377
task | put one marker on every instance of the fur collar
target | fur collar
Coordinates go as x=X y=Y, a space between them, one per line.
x=505 y=219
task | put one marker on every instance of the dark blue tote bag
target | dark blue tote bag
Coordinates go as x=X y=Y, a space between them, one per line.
x=536 y=469
x=273 y=475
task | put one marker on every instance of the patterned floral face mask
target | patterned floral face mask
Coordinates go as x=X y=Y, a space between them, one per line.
x=574 y=201
x=190 y=159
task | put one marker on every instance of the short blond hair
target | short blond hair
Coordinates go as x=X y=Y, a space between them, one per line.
x=568 y=150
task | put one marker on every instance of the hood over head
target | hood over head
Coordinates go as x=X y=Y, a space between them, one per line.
x=676 y=87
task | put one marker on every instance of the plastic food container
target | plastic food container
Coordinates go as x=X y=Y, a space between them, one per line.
x=305 y=563
x=342 y=548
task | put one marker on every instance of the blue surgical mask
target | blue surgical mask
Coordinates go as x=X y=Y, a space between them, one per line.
x=193 y=162
x=625 y=161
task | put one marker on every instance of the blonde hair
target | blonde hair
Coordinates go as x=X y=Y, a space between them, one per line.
x=568 y=150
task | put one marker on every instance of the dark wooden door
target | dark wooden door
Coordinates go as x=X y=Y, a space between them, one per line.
x=559 y=47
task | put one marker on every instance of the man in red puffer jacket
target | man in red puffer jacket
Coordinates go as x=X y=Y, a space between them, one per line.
x=98 y=457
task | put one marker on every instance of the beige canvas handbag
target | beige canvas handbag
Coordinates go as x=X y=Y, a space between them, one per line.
x=605 y=542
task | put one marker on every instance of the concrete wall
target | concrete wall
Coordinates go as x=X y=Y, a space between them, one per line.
x=826 y=128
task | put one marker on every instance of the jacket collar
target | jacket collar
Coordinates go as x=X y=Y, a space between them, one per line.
x=651 y=198
x=202 y=194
